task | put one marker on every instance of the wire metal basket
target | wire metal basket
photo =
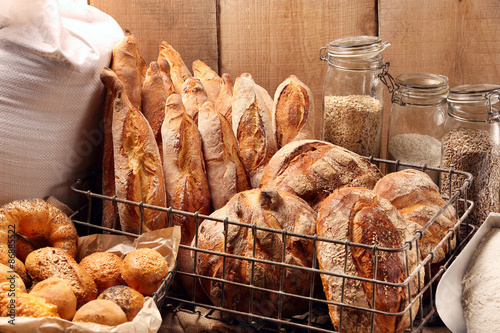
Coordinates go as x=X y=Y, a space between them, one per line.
x=315 y=318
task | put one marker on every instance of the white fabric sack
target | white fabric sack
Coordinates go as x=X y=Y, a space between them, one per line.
x=51 y=54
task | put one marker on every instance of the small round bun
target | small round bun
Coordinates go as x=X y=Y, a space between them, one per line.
x=105 y=268
x=14 y=280
x=144 y=269
x=129 y=299
x=59 y=292
x=100 y=311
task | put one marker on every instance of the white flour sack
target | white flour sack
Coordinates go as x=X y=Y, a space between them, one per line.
x=51 y=54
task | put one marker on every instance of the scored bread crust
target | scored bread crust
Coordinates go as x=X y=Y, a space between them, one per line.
x=252 y=127
x=179 y=72
x=360 y=216
x=137 y=162
x=224 y=101
x=313 y=169
x=209 y=78
x=226 y=173
x=193 y=96
x=417 y=198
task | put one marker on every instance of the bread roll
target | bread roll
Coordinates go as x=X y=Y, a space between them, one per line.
x=252 y=127
x=265 y=208
x=104 y=268
x=101 y=311
x=193 y=97
x=137 y=163
x=130 y=300
x=209 y=79
x=53 y=262
x=293 y=113
x=224 y=101
x=144 y=269
x=184 y=167
x=179 y=72
x=417 y=198
x=226 y=173
x=360 y=216
x=313 y=169
x=19 y=304
x=13 y=279
x=59 y=292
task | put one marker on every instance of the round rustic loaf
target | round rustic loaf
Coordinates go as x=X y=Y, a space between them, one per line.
x=360 y=216
x=144 y=269
x=105 y=268
x=59 y=292
x=312 y=169
x=269 y=208
x=130 y=300
x=50 y=261
x=101 y=311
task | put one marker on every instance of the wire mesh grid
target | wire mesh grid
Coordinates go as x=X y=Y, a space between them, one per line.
x=419 y=306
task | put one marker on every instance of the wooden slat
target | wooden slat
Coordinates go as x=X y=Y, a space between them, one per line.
x=190 y=26
x=272 y=39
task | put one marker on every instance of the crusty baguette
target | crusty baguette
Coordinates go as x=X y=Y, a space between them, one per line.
x=184 y=167
x=137 y=163
x=360 y=216
x=193 y=97
x=252 y=127
x=165 y=74
x=179 y=72
x=313 y=169
x=209 y=78
x=417 y=198
x=154 y=97
x=226 y=173
x=293 y=113
x=224 y=101
x=267 y=208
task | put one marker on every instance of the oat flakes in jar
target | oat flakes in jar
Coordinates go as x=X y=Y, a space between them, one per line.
x=353 y=93
x=471 y=143
x=416 y=122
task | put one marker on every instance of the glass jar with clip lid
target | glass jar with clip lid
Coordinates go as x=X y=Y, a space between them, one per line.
x=353 y=93
x=416 y=121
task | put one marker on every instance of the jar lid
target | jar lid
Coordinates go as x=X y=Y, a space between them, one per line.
x=420 y=89
x=357 y=46
x=475 y=102
x=470 y=93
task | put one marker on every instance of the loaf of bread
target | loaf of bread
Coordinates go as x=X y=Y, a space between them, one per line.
x=102 y=312
x=360 y=216
x=209 y=79
x=293 y=113
x=144 y=269
x=416 y=197
x=165 y=73
x=193 y=97
x=313 y=169
x=137 y=163
x=267 y=208
x=59 y=292
x=226 y=173
x=49 y=262
x=252 y=127
x=179 y=72
x=224 y=101
x=130 y=300
x=104 y=268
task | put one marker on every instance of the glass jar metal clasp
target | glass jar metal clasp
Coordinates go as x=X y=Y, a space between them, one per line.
x=387 y=79
x=493 y=112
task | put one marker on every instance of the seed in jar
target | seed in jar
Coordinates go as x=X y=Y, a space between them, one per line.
x=353 y=122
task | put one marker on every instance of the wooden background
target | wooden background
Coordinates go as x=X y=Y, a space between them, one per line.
x=272 y=39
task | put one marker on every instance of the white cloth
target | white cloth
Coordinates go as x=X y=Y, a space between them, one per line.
x=51 y=54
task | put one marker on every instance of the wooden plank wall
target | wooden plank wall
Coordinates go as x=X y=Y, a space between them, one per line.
x=272 y=39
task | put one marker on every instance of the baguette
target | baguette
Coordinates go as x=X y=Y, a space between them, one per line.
x=223 y=105
x=360 y=216
x=209 y=79
x=252 y=127
x=179 y=72
x=193 y=97
x=226 y=173
x=137 y=163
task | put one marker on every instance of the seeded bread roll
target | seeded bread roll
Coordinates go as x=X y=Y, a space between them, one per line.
x=105 y=268
x=54 y=262
x=209 y=78
x=101 y=311
x=130 y=300
x=137 y=163
x=417 y=198
x=144 y=269
x=252 y=127
x=293 y=113
x=266 y=208
x=313 y=169
x=179 y=72
x=360 y=216
x=226 y=173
